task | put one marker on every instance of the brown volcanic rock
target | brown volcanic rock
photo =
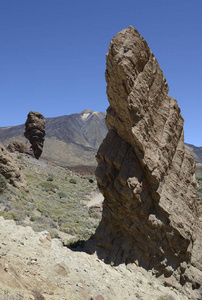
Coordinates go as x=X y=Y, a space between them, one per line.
x=35 y=131
x=9 y=168
x=150 y=213
x=18 y=146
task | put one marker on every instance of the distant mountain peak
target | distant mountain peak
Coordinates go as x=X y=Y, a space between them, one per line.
x=86 y=111
x=85 y=114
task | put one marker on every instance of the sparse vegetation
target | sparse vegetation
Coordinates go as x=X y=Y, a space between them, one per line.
x=62 y=194
x=53 y=203
x=48 y=186
x=72 y=180
x=111 y=263
x=6 y=294
x=50 y=178
x=75 y=243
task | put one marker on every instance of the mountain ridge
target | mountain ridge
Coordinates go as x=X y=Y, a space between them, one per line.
x=74 y=139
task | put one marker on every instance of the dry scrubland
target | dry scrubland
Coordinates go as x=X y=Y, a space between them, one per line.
x=56 y=201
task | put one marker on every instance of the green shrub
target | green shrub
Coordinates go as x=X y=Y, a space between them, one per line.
x=12 y=215
x=3 y=183
x=48 y=186
x=50 y=178
x=35 y=218
x=72 y=180
x=74 y=243
x=62 y=194
x=54 y=233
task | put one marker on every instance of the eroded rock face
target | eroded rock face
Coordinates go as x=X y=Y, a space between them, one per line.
x=150 y=214
x=18 y=146
x=35 y=131
x=9 y=168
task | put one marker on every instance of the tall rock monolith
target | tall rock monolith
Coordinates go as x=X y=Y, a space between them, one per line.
x=150 y=214
x=35 y=131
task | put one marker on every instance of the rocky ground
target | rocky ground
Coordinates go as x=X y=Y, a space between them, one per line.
x=35 y=266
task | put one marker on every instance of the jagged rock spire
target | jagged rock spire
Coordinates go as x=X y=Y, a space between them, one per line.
x=150 y=214
x=35 y=131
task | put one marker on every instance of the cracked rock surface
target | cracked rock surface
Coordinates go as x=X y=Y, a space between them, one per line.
x=150 y=214
x=10 y=169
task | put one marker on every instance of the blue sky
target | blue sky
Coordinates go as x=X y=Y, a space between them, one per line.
x=53 y=54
